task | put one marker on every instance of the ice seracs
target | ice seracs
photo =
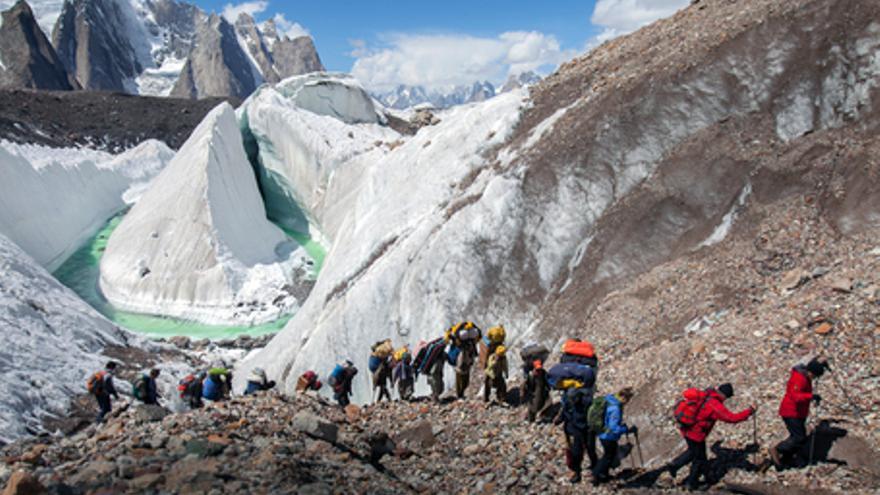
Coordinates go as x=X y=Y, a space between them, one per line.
x=198 y=245
x=311 y=138
x=52 y=200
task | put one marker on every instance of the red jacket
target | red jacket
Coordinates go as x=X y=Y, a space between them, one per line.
x=798 y=394
x=713 y=410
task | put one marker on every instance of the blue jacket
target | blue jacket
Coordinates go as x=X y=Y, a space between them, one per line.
x=614 y=425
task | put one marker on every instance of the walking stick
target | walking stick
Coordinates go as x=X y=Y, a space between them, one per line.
x=639 y=446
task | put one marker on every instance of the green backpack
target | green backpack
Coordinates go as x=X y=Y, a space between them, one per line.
x=596 y=415
x=138 y=387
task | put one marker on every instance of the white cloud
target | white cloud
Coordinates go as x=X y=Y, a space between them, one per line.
x=619 y=17
x=288 y=28
x=232 y=11
x=442 y=61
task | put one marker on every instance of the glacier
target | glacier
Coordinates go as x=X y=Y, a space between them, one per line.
x=310 y=138
x=198 y=245
x=394 y=205
x=52 y=341
x=52 y=200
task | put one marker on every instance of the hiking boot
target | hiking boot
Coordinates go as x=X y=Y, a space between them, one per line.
x=775 y=457
x=575 y=478
x=598 y=480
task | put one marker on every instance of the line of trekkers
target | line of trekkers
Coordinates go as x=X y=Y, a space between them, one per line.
x=585 y=417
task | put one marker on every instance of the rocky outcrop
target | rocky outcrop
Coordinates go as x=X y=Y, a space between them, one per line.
x=94 y=39
x=277 y=57
x=27 y=59
x=293 y=57
x=515 y=81
x=217 y=66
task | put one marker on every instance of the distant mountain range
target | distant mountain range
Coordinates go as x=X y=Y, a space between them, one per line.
x=146 y=47
x=404 y=96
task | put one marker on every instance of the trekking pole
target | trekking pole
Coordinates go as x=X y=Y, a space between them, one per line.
x=639 y=447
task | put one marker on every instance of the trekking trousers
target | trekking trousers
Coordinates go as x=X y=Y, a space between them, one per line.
x=696 y=456
x=790 y=448
x=435 y=379
x=405 y=389
x=609 y=454
x=580 y=441
x=462 y=380
x=499 y=384
x=104 y=406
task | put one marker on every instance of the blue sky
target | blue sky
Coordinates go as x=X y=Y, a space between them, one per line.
x=437 y=44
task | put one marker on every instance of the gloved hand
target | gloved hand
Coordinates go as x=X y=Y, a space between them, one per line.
x=633 y=429
x=817 y=399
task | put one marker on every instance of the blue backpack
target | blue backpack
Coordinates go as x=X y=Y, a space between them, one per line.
x=574 y=371
x=335 y=377
x=375 y=362
x=211 y=388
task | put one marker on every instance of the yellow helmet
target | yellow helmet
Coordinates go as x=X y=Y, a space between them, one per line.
x=500 y=350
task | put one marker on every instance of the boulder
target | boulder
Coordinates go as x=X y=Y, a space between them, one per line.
x=316 y=427
x=151 y=413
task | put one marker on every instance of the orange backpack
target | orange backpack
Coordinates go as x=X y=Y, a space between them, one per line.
x=95 y=383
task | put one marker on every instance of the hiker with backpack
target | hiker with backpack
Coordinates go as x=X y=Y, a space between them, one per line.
x=794 y=410
x=101 y=386
x=145 y=390
x=696 y=415
x=190 y=389
x=534 y=389
x=217 y=384
x=577 y=381
x=308 y=381
x=462 y=353
x=341 y=379
x=605 y=418
x=579 y=439
x=496 y=375
x=404 y=375
x=257 y=382
x=380 y=367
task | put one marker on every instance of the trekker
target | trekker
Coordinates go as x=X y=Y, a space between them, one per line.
x=435 y=377
x=257 y=382
x=578 y=437
x=697 y=415
x=610 y=409
x=190 y=388
x=534 y=390
x=341 y=379
x=404 y=376
x=381 y=377
x=145 y=389
x=217 y=384
x=462 y=353
x=794 y=410
x=496 y=375
x=308 y=381
x=380 y=367
x=101 y=386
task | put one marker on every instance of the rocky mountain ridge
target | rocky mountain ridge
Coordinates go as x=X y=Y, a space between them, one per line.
x=27 y=59
x=405 y=96
x=151 y=47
